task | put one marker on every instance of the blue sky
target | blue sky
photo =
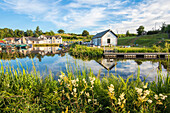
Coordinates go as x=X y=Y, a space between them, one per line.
x=77 y=15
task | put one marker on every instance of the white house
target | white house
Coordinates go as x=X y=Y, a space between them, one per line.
x=50 y=39
x=107 y=63
x=105 y=38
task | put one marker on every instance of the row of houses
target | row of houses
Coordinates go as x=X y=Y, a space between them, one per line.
x=34 y=40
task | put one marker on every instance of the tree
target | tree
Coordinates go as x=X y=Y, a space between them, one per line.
x=85 y=33
x=168 y=30
x=61 y=31
x=52 y=33
x=36 y=35
x=37 y=30
x=2 y=34
x=163 y=28
x=140 y=30
x=127 y=33
x=29 y=33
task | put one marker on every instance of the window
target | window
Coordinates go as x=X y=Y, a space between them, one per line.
x=108 y=41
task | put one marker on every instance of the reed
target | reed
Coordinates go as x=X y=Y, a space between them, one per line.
x=82 y=51
x=80 y=91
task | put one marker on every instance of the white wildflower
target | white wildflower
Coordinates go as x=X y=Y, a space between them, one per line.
x=84 y=79
x=89 y=100
x=81 y=92
x=74 y=90
x=146 y=92
x=61 y=76
x=156 y=97
x=161 y=95
x=87 y=94
x=63 y=91
x=111 y=88
x=95 y=101
x=150 y=101
x=139 y=90
x=119 y=103
x=122 y=96
x=59 y=80
x=143 y=97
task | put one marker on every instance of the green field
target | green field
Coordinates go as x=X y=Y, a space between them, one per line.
x=147 y=40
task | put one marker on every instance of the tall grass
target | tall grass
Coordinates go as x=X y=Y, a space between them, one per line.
x=82 y=51
x=21 y=91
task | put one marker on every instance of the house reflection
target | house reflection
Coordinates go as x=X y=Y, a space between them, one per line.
x=107 y=63
x=38 y=52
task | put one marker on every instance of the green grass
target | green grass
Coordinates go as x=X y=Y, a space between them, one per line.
x=146 y=40
x=84 y=51
x=22 y=91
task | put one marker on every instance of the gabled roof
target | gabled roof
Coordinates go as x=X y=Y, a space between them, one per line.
x=101 y=34
x=34 y=39
x=107 y=65
x=57 y=36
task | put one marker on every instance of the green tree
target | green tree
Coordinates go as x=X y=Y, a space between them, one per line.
x=127 y=33
x=168 y=30
x=29 y=33
x=37 y=30
x=61 y=31
x=163 y=28
x=52 y=33
x=140 y=30
x=85 y=33
x=36 y=35
x=2 y=34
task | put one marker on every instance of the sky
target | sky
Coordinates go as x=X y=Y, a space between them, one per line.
x=74 y=16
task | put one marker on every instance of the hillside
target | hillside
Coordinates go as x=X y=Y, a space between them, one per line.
x=147 y=40
x=75 y=37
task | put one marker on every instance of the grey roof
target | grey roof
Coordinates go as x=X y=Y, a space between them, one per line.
x=101 y=34
x=34 y=39
x=58 y=36
x=16 y=39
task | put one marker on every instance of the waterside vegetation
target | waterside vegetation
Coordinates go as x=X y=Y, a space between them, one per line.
x=84 y=51
x=21 y=91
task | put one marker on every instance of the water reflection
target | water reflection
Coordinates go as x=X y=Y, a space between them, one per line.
x=51 y=59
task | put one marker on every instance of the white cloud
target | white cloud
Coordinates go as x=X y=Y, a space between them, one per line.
x=95 y=15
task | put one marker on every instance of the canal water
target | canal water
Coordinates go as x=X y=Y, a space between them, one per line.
x=50 y=60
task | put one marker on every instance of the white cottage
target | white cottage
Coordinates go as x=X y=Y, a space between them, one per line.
x=105 y=38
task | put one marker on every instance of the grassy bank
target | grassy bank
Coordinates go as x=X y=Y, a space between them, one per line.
x=83 y=51
x=21 y=91
x=141 y=50
x=146 y=40
x=38 y=45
